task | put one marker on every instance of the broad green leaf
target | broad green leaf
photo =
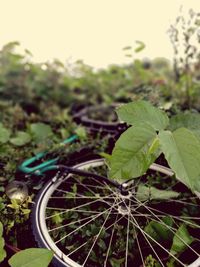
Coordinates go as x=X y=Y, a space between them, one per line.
x=2 y=243
x=181 y=240
x=160 y=231
x=21 y=139
x=182 y=151
x=132 y=156
x=4 y=134
x=144 y=193
x=142 y=111
x=40 y=131
x=31 y=257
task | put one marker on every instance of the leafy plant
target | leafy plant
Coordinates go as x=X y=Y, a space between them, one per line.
x=140 y=145
x=185 y=39
x=152 y=133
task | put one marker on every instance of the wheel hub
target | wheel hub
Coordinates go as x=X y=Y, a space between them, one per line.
x=123 y=210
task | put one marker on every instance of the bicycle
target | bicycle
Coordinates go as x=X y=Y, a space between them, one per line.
x=89 y=220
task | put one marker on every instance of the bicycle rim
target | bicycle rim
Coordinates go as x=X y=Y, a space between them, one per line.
x=87 y=222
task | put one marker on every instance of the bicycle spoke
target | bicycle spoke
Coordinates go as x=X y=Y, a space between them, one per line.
x=98 y=223
x=167 y=214
x=157 y=243
x=95 y=240
x=83 y=185
x=170 y=228
x=88 y=185
x=103 y=184
x=127 y=238
x=140 y=250
x=180 y=218
x=182 y=202
x=72 y=209
x=110 y=242
x=113 y=224
x=71 y=223
x=82 y=197
x=143 y=233
x=95 y=217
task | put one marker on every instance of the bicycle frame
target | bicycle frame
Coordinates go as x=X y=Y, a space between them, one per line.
x=47 y=165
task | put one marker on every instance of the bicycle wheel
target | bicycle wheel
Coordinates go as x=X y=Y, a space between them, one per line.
x=91 y=222
x=100 y=119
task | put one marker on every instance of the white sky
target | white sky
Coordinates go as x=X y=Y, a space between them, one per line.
x=92 y=30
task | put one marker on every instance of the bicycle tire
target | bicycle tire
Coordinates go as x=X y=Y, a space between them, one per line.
x=112 y=127
x=44 y=239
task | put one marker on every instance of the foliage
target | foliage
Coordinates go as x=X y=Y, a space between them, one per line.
x=14 y=213
x=143 y=112
x=182 y=151
x=185 y=39
x=38 y=100
x=4 y=134
x=148 y=193
x=31 y=257
x=159 y=230
x=2 y=243
x=151 y=262
x=181 y=240
x=132 y=155
x=151 y=133
x=21 y=139
x=139 y=146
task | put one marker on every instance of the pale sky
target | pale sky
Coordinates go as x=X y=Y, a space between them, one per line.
x=92 y=30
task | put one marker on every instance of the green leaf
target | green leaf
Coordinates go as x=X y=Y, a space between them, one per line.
x=2 y=250
x=182 y=151
x=4 y=134
x=132 y=156
x=160 y=231
x=81 y=132
x=141 y=46
x=21 y=139
x=190 y=121
x=31 y=257
x=116 y=262
x=181 y=240
x=105 y=155
x=2 y=243
x=142 y=111
x=151 y=262
x=57 y=219
x=148 y=193
x=187 y=120
x=40 y=131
